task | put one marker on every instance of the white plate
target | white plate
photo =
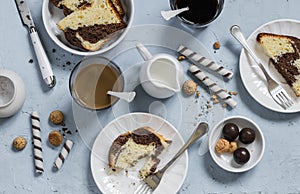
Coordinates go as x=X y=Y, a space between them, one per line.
x=127 y=182
x=255 y=148
x=251 y=74
x=52 y=15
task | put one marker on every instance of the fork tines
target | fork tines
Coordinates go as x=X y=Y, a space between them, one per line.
x=143 y=189
x=285 y=99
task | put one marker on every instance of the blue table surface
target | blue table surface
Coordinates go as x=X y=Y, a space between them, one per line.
x=278 y=171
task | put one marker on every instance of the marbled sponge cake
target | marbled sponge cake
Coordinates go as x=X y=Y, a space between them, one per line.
x=92 y=26
x=70 y=6
x=284 y=52
x=128 y=148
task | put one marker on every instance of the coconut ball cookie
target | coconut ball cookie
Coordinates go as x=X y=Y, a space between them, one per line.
x=56 y=117
x=55 y=138
x=19 y=143
x=189 y=87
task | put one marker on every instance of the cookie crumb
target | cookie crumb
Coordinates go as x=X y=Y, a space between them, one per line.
x=232 y=93
x=180 y=57
x=19 y=143
x=197 y=94
x=217 y=45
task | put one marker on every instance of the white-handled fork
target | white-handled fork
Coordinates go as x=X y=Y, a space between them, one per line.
x=279 y=95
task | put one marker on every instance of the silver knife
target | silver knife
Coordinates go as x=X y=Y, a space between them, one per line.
x=41 y=56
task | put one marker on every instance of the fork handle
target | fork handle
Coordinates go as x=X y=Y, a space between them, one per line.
x=238 y=35
x=199 y=132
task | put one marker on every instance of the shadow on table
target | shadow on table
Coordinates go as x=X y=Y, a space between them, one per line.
x=220 y=175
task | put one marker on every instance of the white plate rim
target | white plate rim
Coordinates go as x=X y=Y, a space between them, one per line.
x=212 y=150
x=243 y=64
x=184 y=155
x=47 y=26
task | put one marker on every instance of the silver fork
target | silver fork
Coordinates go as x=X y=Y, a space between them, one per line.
x=279 y=95
x=152 y=181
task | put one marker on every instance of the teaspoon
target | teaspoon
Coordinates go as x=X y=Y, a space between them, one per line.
x=128 y=96
x=172 y=13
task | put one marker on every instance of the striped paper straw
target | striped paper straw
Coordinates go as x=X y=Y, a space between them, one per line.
x=221 y=93
x=37 y=142
x=205 y=62
x=63 y=154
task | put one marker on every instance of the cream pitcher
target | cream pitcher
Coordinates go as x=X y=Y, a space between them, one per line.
x=161 y=75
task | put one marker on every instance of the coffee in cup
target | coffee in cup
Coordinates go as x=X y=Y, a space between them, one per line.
x=90 y=81
x=200 y=13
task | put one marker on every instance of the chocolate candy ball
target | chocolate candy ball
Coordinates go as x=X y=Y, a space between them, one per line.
x=241 y=155
x=247 y=135
x=230 y=131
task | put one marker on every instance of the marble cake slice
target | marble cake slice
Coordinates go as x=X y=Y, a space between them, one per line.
x=91 y=27
x=284 y=52
x=128 y=148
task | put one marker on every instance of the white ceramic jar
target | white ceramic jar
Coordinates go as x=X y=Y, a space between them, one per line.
x=12 y=93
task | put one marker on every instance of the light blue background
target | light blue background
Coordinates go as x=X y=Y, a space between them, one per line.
x=278 y=172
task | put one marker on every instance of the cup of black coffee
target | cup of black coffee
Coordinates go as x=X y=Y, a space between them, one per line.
x=201 y=12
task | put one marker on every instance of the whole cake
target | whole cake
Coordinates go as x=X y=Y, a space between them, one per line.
x=128 y=148
x=284 y=52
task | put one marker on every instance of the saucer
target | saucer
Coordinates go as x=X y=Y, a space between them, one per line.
x=12 y=90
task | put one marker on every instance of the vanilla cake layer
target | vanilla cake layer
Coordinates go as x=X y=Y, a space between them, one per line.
x=284 y=52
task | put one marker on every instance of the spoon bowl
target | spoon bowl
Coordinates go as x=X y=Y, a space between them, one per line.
x=128 y=96
x=167 y=15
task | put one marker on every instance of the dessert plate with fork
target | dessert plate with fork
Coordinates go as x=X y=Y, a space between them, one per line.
x=252 y=76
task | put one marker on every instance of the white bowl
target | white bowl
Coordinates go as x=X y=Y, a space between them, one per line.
x=52 y=15
x=255 y=148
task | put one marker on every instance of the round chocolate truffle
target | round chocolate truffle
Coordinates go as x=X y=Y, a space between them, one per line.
x=241 y=155
x=230 y=131
x=247 y=135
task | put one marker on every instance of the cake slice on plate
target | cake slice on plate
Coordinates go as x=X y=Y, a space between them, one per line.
x=284 y=52
x=92 y=26
x=129 y=148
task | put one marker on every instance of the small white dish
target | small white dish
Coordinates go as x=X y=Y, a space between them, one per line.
x=255 y=148
x=128 y=181
x=52 y=15
x=12 y=93
x=251 y=75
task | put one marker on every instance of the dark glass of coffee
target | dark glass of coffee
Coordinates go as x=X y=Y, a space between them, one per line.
x=200 y=13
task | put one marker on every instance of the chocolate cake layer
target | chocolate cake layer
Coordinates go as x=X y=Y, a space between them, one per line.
x=284 y=53
x=92 y=34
